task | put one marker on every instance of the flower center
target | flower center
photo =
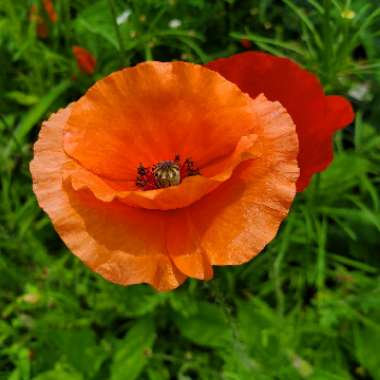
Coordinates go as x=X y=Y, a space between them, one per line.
x=165 y=173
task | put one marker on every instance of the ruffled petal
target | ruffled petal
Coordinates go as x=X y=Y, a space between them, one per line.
x=125 y=245
x=339 y=114
x=339 y=111
x=236 y=221
x=150 y=112
x=185 y=246
x=189 y=191
x=300 y=92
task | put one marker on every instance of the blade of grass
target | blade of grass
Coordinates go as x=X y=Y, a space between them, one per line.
x=112 y=7
x=34 y=115
x=353 y=263
x=197 y=49
x=259 y=39
x=306 y=20
x=366 y=23
x=277 y=266
x=317 y=6
x=321 y=258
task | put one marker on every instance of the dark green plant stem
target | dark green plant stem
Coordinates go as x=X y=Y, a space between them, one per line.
x=277 y=266
x=148 y=52
x=112 y=7
x=321 y=251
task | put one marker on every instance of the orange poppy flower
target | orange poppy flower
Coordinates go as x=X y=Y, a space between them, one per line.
x=317 y=116
x=162 y=170
x=85 y=60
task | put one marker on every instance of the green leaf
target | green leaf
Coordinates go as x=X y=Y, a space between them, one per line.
x=158 y=373
x=60 y=372
x=183 y=302
x=132 y=354
x=22 y=362
x=97 y=19
x=208 y=327
x=133 y=302
x=367 y=349
x=344 y=171
x=79 y=349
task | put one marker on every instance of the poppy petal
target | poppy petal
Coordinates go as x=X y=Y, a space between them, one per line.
x=185 y=247
x=190 y=190
x=190 y=111
x=339 y=111
x=300 y=92
x=50 y=10
x=85 y=60
x=125 y=245
x=237 y=220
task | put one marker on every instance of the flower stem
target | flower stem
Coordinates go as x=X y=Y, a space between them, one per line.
x=278 y=263
x=148 y=53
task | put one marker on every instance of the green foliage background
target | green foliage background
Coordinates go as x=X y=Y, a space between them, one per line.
x=306 y=308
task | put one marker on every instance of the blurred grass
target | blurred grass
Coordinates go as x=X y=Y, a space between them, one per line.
x=306 y=308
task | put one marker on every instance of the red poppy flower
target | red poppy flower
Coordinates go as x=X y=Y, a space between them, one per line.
x=85 y=60
x=162 y=170
x=247 y=44
x=316 y=115
x=42 y=29
x=50 y=10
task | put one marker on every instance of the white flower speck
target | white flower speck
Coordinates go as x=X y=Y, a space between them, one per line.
x=123 y=17
x=360 y=91
x=175 y=23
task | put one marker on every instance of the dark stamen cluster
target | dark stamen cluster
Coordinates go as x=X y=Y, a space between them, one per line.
x=145 y=178
x=189 y=168
x=165 y=173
